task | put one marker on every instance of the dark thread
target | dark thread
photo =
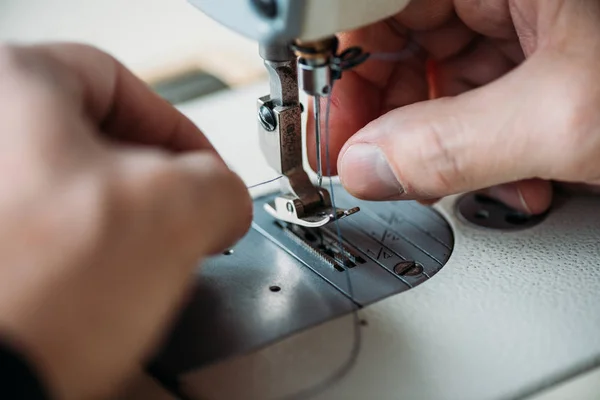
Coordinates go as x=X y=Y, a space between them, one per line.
x=265 y=182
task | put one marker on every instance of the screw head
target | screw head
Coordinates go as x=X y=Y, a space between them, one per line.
x=408 y=268
x=267 y=119
x=267 y=8
x=290 y=207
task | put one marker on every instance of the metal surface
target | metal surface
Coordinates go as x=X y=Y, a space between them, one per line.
x=282 y=279
x=244 y=301
x=288 y=209
x=317 y=117
x=280 y=138
x=267 y=118
x=488 y=213
x=315 y=62
x=283 y=148
x=315 y=80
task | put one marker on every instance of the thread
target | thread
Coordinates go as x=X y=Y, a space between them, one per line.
x=356 y=323
x=264 y=183
x=317 y=112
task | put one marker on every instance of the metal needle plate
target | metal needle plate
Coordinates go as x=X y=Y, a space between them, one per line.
x=283 y=278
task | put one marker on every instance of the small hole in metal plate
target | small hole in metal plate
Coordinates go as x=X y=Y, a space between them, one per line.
x=274 y=289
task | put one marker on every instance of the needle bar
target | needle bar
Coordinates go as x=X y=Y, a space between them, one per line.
x=317 y=116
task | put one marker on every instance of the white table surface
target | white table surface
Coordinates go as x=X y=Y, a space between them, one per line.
x=152 y=37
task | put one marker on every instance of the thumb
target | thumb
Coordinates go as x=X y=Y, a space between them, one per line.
x=506 y=131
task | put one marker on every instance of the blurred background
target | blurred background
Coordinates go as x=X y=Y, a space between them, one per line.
x=163 y=41
x=181 y=53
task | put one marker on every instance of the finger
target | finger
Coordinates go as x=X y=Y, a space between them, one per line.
x=366 y=92
x=532 y=196
x=165 y=214
x=380 y=85
x=466 y=143
x=427 y=14
x=219 y=206
x=428 y=202
x=121 y=104
x=446 y=40
x=491 y=18
x=193 y=201
x=475 y=66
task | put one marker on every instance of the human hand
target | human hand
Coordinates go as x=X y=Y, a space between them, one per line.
x=109 y=198
x=501 y=120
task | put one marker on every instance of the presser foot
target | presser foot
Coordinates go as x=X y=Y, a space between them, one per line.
x=291 y=209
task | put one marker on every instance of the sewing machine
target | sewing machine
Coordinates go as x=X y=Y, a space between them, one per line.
x=468 y=300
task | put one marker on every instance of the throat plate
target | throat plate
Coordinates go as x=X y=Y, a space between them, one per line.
x=284 y=278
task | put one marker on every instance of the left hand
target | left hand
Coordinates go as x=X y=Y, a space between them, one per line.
x=109 y=197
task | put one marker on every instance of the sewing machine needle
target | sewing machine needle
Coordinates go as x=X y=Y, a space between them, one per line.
x=317 y=112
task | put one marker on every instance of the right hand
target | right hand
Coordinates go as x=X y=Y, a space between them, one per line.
x=520 y=81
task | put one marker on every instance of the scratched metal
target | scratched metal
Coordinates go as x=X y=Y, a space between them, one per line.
x=279 y=281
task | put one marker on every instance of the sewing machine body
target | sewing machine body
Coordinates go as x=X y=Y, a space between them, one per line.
x=287 y=20
x=510 y=314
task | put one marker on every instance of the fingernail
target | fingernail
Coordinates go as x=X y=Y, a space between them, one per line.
x=512 y=196
x=366 y=172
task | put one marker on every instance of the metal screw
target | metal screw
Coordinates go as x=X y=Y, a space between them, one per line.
x=408 y=268
x=267 y=119
x=290 y=207
x=268 y=8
